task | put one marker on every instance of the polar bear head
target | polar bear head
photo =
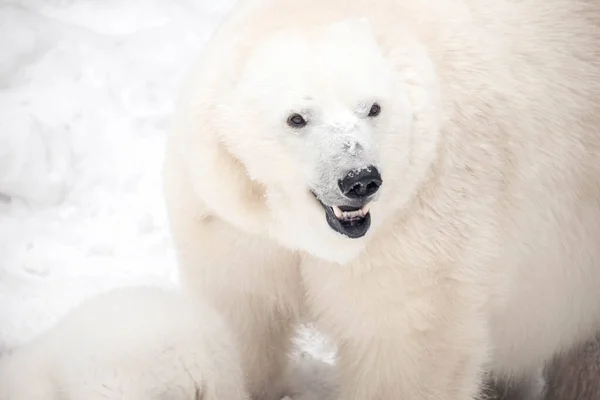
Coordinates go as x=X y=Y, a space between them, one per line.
x=323 y=137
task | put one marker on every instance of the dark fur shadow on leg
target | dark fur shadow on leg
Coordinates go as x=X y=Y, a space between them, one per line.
x=575 y=375
x=526 y=389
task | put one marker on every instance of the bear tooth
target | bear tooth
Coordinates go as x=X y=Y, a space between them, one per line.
x=338 y=212
x=352 y=214
x=365 y=209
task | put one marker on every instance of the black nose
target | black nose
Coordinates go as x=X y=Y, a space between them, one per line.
x=362 y=183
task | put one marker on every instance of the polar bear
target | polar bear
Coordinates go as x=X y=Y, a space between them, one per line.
x=421 y=179
x=139 y=343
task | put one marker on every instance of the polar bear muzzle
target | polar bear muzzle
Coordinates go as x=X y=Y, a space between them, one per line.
x=358 y=186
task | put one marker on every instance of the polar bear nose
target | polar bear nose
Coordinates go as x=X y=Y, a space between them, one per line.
x=361 y=183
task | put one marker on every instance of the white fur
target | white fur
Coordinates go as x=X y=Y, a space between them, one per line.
x=128 y=344
x=483 y=251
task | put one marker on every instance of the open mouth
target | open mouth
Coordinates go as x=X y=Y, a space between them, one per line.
x=350 y=221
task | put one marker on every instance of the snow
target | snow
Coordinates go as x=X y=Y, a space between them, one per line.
x=82 y=83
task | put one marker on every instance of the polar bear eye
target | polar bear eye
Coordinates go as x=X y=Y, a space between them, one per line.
x=296 y=121
x=375 y=110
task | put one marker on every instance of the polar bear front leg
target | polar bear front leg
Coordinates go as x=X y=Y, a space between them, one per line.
x=417 y=341
x=254 y=285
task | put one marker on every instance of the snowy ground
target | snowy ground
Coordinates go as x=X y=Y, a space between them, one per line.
x=86 y=94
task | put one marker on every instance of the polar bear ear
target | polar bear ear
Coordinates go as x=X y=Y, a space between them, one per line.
x=220 y=180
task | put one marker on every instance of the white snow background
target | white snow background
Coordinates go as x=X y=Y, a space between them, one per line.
x=87 y=89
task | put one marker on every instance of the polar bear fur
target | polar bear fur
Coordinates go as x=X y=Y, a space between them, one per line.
x=138 y=343
x=482 y=253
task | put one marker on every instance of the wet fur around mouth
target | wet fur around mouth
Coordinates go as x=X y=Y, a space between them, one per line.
x=353 y=228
